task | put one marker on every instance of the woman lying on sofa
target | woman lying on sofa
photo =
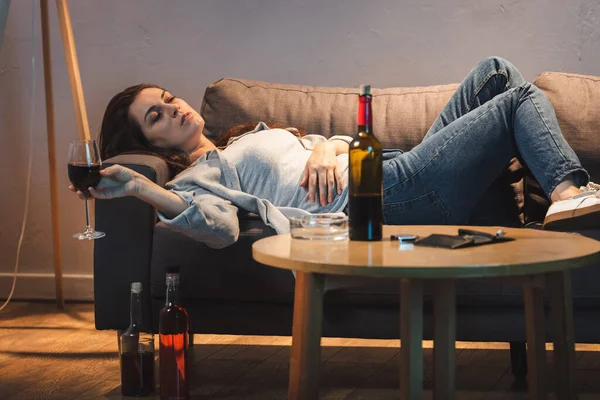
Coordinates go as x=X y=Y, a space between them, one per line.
x=494 y=116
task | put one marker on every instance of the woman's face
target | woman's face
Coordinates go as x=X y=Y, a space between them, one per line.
x=167 y=121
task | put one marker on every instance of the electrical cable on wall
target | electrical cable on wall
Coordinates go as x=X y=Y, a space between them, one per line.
x=28 y=180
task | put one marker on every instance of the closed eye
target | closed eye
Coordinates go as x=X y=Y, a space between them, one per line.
x=159 y=113
x=157 y=117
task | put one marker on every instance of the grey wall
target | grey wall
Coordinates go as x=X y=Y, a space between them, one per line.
x=185 y=44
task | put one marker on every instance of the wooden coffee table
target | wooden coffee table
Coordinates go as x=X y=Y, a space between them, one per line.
x=537 y=259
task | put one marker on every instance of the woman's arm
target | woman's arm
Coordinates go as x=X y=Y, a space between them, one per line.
x=340 y=146
x=165 y=201
x=310 y=142
x=211 y=219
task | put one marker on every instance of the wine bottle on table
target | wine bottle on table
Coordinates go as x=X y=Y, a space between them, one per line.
x=136 y=351
x=173 y=329
x=365 y=203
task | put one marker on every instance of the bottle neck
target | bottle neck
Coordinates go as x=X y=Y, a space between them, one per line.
x=172 y=290
x=365 y=117
x=135 y=309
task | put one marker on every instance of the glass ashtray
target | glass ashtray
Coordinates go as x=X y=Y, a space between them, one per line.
x=319 y=227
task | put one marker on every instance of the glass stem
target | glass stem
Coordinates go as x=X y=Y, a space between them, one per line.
x=87 y=216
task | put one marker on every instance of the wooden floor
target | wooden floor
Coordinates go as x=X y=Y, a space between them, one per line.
x=46 y=354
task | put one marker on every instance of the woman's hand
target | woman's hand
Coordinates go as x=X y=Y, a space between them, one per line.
x=116 y=181
x=322 y=171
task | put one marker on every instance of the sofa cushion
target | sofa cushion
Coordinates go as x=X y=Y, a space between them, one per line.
x=401 y=116
x=576 y=101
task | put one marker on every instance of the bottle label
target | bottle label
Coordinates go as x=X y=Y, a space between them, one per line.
x=364 y=111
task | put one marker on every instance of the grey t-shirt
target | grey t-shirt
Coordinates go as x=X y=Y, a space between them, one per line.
x=270 y=164
x=259 y=172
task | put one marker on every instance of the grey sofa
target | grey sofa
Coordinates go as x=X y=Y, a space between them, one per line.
x=225 y=291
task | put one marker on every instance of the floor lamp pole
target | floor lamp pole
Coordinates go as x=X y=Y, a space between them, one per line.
x=66 y=30
x=54 y=205
x=83 y=129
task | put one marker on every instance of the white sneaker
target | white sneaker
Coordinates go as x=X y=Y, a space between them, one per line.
x=579 y=212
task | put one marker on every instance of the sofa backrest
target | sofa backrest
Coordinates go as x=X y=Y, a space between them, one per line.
x=401 y=116
x=576 y=100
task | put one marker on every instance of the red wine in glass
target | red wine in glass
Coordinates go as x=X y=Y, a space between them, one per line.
x=82 y=176
x=84 y=171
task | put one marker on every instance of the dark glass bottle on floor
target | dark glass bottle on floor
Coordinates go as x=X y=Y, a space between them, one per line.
x=136 y=351
x=173 y=357
x=365 y=201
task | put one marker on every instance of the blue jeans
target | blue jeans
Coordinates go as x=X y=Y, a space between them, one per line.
x=494 y=115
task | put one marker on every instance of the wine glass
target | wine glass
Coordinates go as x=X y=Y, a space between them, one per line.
x=84 y=171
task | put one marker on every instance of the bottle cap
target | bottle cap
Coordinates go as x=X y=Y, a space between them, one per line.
x=173 y=269
x=136 y=287
x=172 y=274
x=365 y=90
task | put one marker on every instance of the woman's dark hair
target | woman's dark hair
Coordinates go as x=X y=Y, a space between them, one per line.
x=120 y=133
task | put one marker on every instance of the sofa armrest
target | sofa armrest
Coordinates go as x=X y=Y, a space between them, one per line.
x=124 y=255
